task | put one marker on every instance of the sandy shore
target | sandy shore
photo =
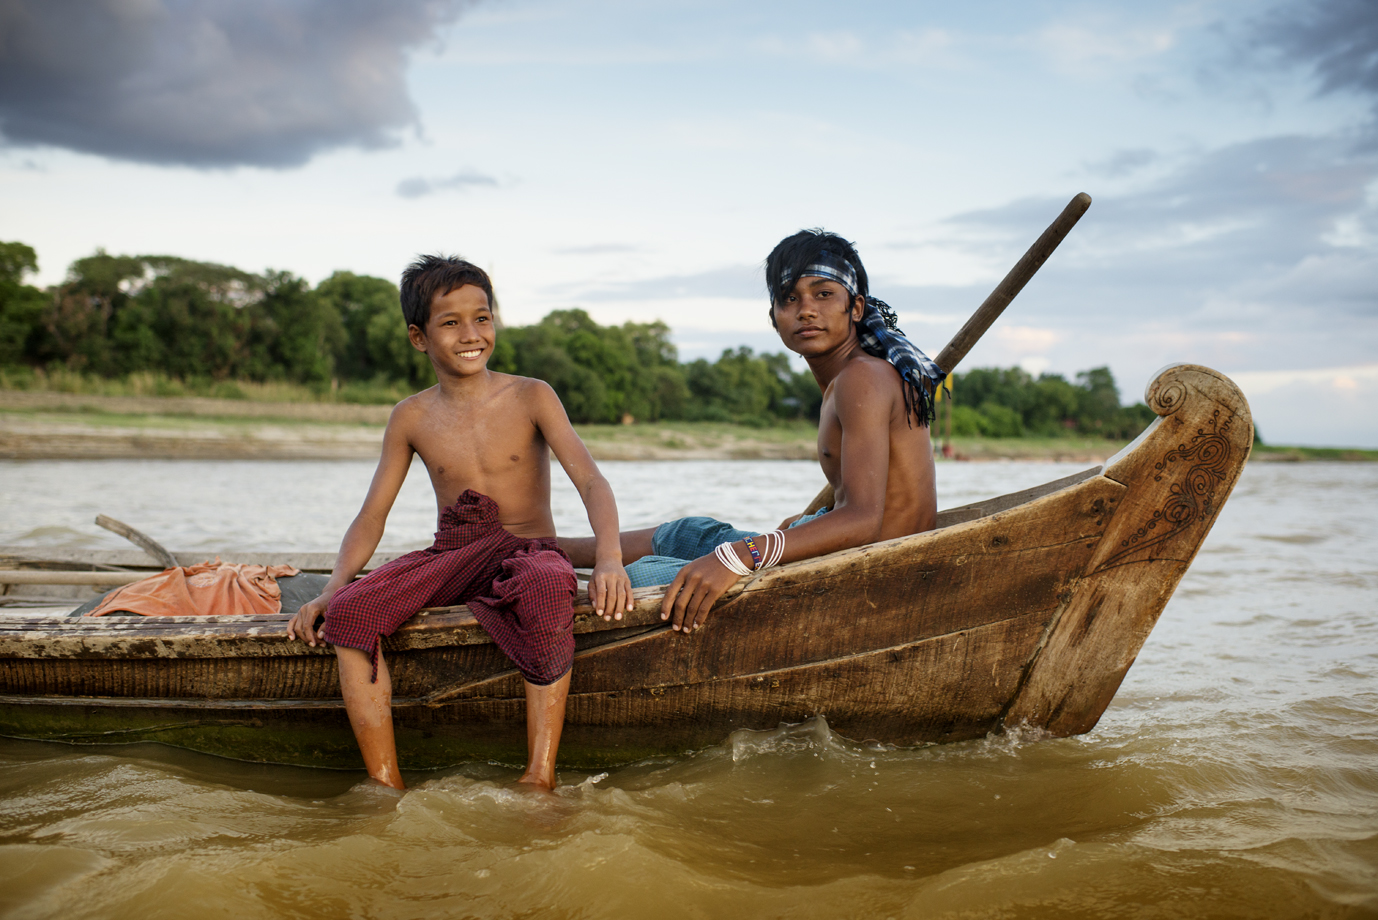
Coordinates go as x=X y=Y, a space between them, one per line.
x=191 y=407
x=60 y=426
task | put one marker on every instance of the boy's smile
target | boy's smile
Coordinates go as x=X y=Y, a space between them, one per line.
x=459 y=335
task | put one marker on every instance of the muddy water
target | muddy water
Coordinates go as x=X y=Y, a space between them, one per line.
x=1235 y=775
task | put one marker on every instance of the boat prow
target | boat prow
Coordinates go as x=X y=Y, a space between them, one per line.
x=1025 y=610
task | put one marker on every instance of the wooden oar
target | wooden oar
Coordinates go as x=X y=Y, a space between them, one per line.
x=989 y=311
x=139 y=539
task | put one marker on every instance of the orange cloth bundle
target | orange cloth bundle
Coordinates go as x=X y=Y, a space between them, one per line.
x=205 y=589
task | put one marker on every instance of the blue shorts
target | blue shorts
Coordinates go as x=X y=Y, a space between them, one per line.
x=678 y=543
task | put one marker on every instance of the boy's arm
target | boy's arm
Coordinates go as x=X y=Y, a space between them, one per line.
x=362 y=537
x=609 y=588
x=863 y=397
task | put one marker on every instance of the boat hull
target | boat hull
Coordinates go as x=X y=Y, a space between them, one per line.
x=1023 y=611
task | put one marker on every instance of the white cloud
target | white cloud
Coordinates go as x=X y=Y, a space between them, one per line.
x=1345 y=379
x=1027 y=339
x=1086 y=51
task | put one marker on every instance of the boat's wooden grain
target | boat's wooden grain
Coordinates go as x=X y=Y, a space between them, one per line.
x=1024 y=610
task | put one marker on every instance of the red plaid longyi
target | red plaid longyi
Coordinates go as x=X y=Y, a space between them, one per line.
x=520 y=590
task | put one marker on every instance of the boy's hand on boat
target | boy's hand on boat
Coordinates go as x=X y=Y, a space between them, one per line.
x=692 y=594
x=303 y=625
x=610 y=590
x=788 y=522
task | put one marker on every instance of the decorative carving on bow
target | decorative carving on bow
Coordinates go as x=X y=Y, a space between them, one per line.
x=1191 y=498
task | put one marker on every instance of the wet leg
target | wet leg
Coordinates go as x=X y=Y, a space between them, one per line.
x=369 y=705
x=635 y=544
x=545 y=720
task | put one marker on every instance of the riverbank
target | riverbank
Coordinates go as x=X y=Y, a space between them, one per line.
x=37 y=425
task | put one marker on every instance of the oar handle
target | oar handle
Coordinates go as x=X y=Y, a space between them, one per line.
x=1014 y=282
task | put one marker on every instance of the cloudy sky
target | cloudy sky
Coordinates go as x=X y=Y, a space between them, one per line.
x=639 y=159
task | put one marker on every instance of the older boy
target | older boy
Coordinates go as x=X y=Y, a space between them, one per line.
x=873 y=439
x=485 y=438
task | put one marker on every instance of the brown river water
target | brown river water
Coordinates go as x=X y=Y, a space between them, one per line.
x=1235 y=774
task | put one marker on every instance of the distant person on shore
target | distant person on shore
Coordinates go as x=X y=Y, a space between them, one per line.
x=873 y=441
x=486 y=440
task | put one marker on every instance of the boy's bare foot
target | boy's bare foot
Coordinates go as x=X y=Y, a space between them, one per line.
x=530 y=782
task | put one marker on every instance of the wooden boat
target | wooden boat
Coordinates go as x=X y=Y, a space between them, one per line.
x=1025 y=610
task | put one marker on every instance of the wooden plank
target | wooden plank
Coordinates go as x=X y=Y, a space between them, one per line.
x=49 y=577
x=963 y=513
x=943 y=688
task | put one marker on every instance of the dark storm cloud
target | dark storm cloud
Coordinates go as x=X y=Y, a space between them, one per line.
x=210 y=83
x=1338 y=39
x=416 y=187
x=1255 y=205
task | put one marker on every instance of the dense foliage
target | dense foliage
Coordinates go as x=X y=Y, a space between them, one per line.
x=1011 y=403
x=122 y=315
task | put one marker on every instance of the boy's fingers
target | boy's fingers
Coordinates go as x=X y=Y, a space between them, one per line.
x=683 y=605
x=705 y=603
x=695 y=616
x=701 y=615
x=677 y=606
x=667 y=603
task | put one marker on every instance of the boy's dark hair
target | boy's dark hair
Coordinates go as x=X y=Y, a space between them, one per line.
x=432 y=276
x=795 y=253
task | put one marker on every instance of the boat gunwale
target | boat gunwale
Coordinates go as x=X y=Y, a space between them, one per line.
x=460 y=625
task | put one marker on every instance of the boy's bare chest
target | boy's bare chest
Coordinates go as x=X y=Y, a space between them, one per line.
x=498 y=442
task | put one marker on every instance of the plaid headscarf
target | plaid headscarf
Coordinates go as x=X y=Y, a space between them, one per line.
x=880 y=335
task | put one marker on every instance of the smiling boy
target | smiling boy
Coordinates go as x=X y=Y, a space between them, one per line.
x=486 y=440
x=873 y=441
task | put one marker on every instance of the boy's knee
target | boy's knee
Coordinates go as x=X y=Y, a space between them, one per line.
x=548 y=637
x=550 y=662
x=543 y=678
x=538 y=580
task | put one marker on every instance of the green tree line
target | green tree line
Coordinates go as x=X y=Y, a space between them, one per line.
x=115 y=316
x=1012 y=403
x=119 y=315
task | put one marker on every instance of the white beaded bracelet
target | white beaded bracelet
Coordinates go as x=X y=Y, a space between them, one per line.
x=776 y=541
x=729 y=558
x=774 y=550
